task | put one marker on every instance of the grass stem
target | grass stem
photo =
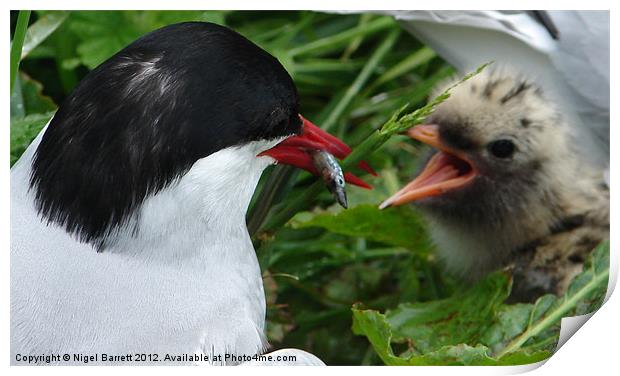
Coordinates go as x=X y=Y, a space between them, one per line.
x=18 y=42
x=335 y=42
x=361 y=79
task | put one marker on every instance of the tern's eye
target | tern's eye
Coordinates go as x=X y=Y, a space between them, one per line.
x=502 y=148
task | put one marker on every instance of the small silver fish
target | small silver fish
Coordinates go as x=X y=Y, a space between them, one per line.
x=332 y=175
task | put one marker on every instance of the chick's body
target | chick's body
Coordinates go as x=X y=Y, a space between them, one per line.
x=532 y=203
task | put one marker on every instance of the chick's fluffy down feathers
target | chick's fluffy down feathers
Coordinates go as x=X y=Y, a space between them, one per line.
x=541 y=211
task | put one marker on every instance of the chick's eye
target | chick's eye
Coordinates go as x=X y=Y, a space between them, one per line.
x=502 y=148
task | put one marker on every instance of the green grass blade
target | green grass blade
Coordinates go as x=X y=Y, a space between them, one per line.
x=334 y=42
x=422 y=56
x=18 y=42
x=361 y=79
x=314 y=66
x=355 y=43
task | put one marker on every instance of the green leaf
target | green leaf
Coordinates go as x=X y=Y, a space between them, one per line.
x=28 y=98
x=474 y=327
x=103 y=33
x=378 y=330
x=375 y=327
x=400 y=227
x=41 y=29
x=24 y=130
x=34 y=101
x=466 y=355
x=512 y=320
x=588 y=287
x=458 y=319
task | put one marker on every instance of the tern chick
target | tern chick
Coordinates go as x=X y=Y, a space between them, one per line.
x=507 y=186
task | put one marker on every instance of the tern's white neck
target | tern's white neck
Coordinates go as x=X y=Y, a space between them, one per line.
x=202 y=215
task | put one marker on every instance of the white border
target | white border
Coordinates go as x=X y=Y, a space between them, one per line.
x=592 y=350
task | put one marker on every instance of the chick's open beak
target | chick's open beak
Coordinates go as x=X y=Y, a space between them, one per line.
x=448 y=169
x=295 y=151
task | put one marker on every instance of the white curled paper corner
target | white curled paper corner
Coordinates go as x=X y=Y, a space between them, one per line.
x=569 y=326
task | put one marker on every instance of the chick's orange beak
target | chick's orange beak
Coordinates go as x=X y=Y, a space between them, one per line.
x=295 y=151
x=448 y=169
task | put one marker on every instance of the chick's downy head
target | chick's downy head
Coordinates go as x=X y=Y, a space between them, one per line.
x=500 y=164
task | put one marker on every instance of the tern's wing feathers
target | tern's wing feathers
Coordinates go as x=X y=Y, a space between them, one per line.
x=574 y=69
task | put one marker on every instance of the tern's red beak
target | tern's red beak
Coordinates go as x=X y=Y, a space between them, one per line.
x=294 y=151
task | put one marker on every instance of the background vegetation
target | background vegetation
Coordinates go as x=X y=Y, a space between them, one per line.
x=359 y=286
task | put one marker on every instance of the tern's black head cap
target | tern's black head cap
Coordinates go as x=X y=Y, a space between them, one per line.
x=144 y=116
